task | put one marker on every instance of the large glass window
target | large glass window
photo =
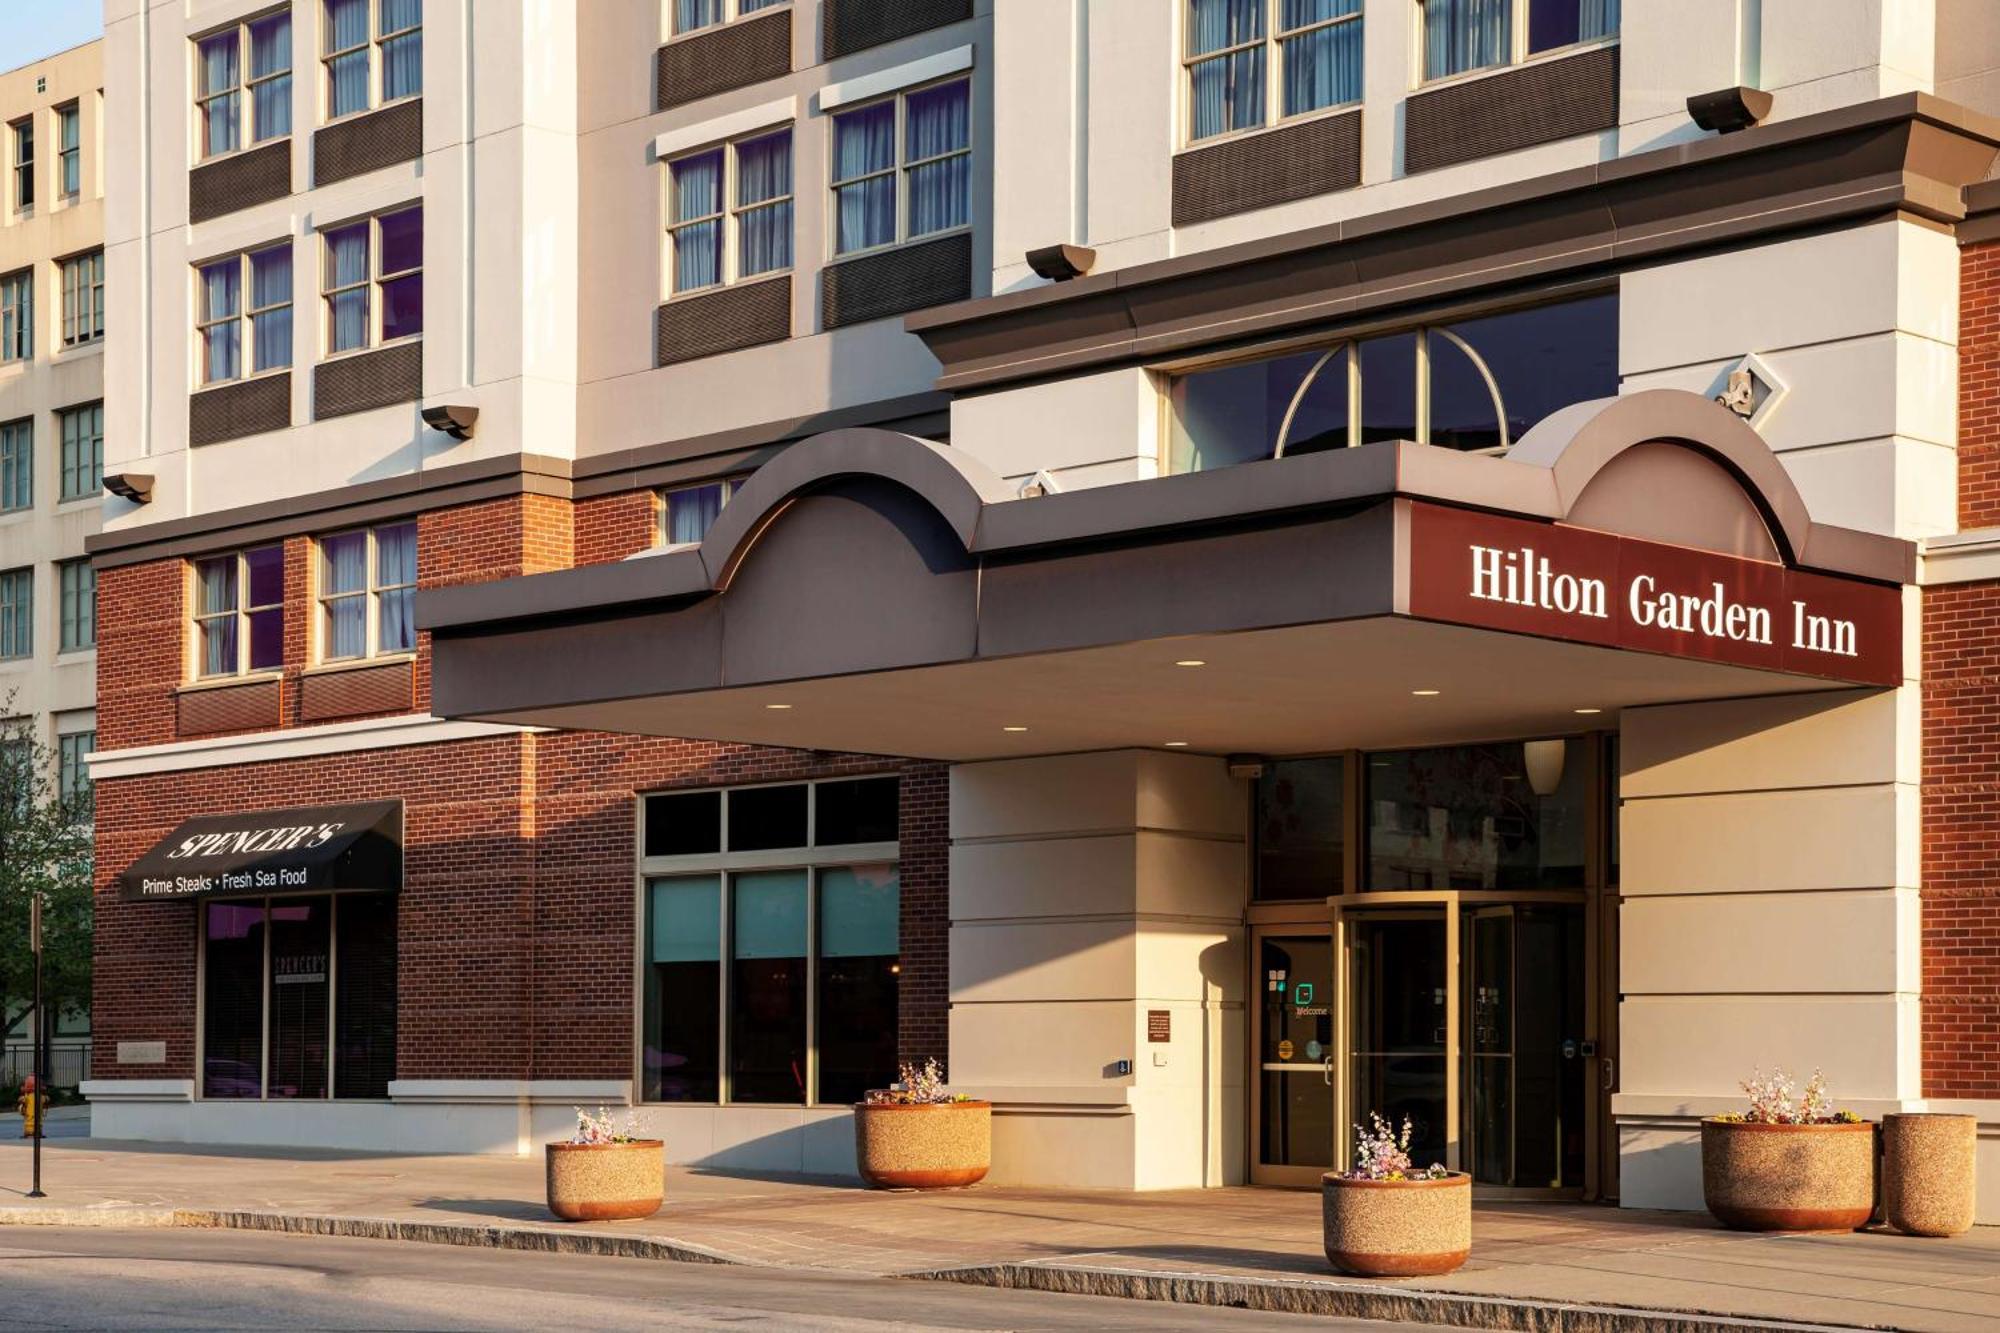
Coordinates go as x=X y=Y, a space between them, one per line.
x=771 y=959
x=1510 y=816
x=17 y=464
x=17 y=613
x=239 y=619
x=755 y=237
x=1475 y=383
x=1233 y=45
x=81 y=433
x=77 y=583
x=17 y=315
x=922 y=138
x=373 y=53
x=372 y=280
x=1300 y=830
x=367 y=589
x=298 y=997
x=83 y=299
x=227 y=324
x=1465 y=35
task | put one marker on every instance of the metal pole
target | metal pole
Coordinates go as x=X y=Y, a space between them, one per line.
x=40 y=1104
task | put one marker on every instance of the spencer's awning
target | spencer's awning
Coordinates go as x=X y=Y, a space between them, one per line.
x=274 y=851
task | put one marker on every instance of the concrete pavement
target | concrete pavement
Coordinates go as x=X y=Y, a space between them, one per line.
x=1531 y=1262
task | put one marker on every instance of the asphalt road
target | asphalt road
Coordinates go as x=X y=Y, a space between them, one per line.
x=101 y=1278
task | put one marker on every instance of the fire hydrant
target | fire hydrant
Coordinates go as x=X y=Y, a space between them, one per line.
x=31 y=1105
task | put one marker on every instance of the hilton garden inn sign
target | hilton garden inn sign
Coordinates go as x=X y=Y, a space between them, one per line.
x=1564 y=582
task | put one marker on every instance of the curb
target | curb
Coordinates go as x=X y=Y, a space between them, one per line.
x=543 y=1240
x=1351 y=1300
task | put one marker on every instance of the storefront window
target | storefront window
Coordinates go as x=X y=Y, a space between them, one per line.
x=1300 y=829
x=1505 y=816
x=299 y=997
x=770 y=962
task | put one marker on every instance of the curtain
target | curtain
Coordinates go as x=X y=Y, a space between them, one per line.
x=271 y=307
x=403 y=66
x=396 y=575
x=1599 y=19
x=220 y=297
x=397 y=15
x=1461 y=35
x=752 y=6
x=864 y=141
x=271 y=99
x=939 y=120
x=346 y=263
x=690 y=511
x=217 y=593
x=218 y=74
x=692 y=14
x=698 y=245
x=1228 y=91
x=347 y=75
x=764 y=235
x=344 y=570
x=1322 y=67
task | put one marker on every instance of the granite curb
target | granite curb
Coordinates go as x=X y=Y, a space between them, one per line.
x=1354 y=1300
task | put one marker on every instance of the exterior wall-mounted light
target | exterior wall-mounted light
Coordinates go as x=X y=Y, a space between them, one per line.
x=1060 y=263
x=453 y=419
x=134 y=486
x=1727 y=110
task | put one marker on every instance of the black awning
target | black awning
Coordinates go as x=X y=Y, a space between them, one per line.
x=274 y=851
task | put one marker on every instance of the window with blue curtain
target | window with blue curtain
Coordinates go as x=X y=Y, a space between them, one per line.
x=864 y=178
x=1319 y=50
x=1464 y=35
x=346 y=57
x=695 y=220
x=937 y=129
x=220 y=302
x=764 y=205
x=691 y=510
x=1225 y=47
x=396 y=588
x=400 y=35
x=343 y=596
x=345 y=282
x=694 y=15
x=271 y=308
x=216 y=78
x=271 y=77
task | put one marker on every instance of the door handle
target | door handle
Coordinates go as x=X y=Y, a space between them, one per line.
x=1610 y=1074
x=1326 y=1070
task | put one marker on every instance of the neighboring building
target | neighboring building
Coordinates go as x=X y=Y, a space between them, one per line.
x=1424 y=618
x=52 y=328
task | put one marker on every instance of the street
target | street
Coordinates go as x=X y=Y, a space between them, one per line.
x=91 y=1278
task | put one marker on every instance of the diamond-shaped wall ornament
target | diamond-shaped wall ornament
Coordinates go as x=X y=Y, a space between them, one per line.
x=1752 y=390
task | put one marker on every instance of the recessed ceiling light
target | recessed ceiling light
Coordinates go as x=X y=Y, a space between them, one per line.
x=1425 y=694
x=1192 y=661
x=1013 y=728
x=777 y=708
x=1588 y=711
x=1176 y=745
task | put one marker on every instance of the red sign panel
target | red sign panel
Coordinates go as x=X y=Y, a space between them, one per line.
x=1595 y=587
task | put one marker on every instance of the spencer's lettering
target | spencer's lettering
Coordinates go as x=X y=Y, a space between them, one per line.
x=289 y=838
x=1526 y=579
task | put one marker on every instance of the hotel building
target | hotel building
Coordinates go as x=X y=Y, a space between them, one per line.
x=1215 y=566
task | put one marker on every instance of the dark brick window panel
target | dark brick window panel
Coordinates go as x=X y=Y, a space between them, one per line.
x=1536 y=103
x=847 y=26
x=1293 y=161
x=729 y=55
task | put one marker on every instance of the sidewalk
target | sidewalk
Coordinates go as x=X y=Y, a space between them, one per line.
x=1532 y=1263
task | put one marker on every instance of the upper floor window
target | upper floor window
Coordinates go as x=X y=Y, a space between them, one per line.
x=239 y=615
x=694 y=15
x=367 y=593
x=687 y=512
x=73 y=772
x=69 y=150
x=1465 y=35
x=243 y=314
x=373 y=51
x=22 y=132
x=263 y=47
x=17 y=315
x=1475 y=383
x=82 y=431
x=17 y=465
x=1235 y=46
x=751 y=234
x=83 y=299
x=76 y=584
x=902 y=167
x=17 y=613
x=372 y=280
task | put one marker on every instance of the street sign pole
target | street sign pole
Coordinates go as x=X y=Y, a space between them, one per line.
x=40 y=1104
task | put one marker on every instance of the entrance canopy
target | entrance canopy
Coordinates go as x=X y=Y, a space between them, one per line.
x=274 y=851
x=873 y=592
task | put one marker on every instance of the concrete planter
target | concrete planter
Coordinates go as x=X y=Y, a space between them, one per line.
x=595 y=1182
x=1929 y=1170
x=1757 y=1177
x=926 y=1147
x=1396 y=1228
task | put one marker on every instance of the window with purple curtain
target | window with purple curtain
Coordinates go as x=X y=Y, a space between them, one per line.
x=343 y=596
x=764 y=205
x=396 y=588
x=402 y=279
x=271 y=308
x=219 y=304
x=864 y=177
x=937 y=127
x=264 y=606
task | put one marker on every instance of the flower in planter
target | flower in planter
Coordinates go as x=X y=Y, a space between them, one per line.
x=1380 y=1153
x=917 y=1087
x=1777 y=1100
x=598 y=1128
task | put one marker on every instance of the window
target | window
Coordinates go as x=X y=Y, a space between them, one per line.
x=239 y=619
x=373 y=51
x=755 y=175
x=221 y=313
x=1484 y=382
x=83 y=299
x=76 y=583
x=17 y=465
x=694 y=15
x=73 y=772
x=772 y=943
x=1465 y=35
x=687 y=511
x=372 y=279
x=17 y=613
x=82 y=435
x=1314 y=47
x=298 y=997
x=262 y=46
x=1478 y=817
x=922 y=138
x=23 y=135
x=69 y=150
x=1300 y=833
x=367 y=589
x=17 y=315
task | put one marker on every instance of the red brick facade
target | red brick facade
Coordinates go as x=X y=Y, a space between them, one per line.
x=1961 y=764
x=517 y=917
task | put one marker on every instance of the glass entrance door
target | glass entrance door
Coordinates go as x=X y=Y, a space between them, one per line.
x=1295 y=1041
x=1524 y=1052
x=1399 y=1036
